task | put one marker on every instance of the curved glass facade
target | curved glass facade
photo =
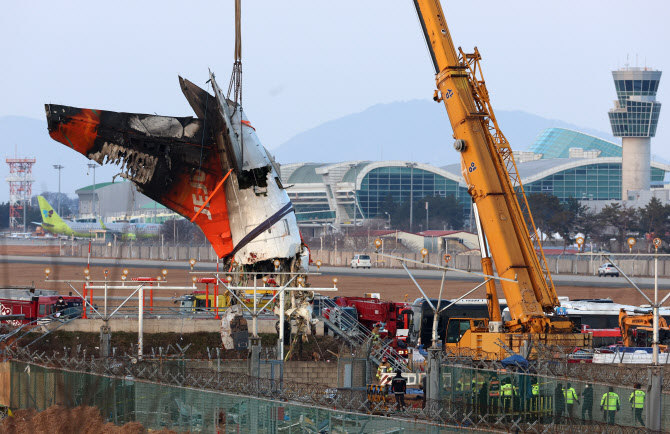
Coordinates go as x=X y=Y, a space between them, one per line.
x=556 y=143
x=593 y=182
x=399 y=182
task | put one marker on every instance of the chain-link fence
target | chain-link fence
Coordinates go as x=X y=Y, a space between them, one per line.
x=170 y=393
x=188 y=408
x=526 y=399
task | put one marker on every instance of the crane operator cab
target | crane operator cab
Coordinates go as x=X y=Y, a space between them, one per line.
x=457 y=328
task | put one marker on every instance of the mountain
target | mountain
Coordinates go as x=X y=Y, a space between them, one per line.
x=415 y=130
x=28 y=138
x=411 y=130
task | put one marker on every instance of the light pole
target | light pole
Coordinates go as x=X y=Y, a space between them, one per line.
x=426 y=215
x=411 y=193
x=92 y=166
x=58 y=167
x=389 y=219
x=355 y=167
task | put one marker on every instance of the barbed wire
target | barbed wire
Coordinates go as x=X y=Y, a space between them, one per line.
x=456 y=412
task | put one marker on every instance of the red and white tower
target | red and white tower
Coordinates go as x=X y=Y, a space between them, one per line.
x=20 y=181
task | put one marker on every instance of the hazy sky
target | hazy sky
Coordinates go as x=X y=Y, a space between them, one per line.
x=307 y=62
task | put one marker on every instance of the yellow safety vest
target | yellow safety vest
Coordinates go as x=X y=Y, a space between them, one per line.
x=637 y=398
x=610 y=401
x=507 y=389
x=536 y=389
x=570 y=395
x=382 y=370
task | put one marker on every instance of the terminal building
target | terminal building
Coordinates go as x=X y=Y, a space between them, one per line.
x=564 y=163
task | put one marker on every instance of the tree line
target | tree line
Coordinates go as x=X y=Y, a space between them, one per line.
x=607 y=229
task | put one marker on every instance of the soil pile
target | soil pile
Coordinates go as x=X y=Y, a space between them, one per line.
x=61 y=420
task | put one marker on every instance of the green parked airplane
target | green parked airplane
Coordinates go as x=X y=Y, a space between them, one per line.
x=81 y=228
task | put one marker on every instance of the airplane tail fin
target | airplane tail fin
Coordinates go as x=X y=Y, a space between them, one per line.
x=49 y=215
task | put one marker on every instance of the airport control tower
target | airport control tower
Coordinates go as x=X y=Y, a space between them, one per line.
x=634 y=118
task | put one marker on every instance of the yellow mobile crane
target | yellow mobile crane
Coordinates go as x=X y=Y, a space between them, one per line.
x=500 y=207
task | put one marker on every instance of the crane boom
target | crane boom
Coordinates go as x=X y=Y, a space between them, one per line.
x=492 y=178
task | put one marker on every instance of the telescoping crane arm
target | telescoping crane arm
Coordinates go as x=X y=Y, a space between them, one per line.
x=492 y=178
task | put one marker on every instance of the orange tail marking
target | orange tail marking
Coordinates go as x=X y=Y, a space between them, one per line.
x=218 y=186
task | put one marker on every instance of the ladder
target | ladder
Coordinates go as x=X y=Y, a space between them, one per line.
x=357 y=335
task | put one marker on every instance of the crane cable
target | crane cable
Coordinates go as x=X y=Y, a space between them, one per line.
x=235 y=86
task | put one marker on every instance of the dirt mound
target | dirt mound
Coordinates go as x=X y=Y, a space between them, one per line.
x=61 y=420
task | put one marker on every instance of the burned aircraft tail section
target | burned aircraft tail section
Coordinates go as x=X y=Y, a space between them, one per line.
x=179 y=162
x=172 y=160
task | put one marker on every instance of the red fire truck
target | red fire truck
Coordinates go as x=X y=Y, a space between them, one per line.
x=35 y=304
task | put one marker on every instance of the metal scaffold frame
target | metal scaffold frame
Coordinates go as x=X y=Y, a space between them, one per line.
x=20 y=189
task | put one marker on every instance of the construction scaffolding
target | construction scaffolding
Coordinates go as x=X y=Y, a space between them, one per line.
x=20 y=181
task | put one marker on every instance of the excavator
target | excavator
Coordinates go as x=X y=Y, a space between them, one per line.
x=638 y=330
x=504 y=221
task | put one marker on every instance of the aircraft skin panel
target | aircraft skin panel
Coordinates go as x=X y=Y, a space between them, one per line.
x=172 y=160
x=178 y=161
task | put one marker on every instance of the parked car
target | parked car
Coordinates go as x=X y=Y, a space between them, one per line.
x=608 y=270
x=361 y=261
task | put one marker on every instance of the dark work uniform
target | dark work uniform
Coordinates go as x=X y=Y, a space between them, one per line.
x=559 y=404
x=60 y=305
x=399 y=387
x=587 y=402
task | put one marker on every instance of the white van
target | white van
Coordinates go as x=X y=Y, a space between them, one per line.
x=361 y=261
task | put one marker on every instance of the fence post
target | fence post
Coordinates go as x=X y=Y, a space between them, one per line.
x=433 y=373
x=255 y=358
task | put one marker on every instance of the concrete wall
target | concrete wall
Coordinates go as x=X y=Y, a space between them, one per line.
x=170 y=325
x=298 y=371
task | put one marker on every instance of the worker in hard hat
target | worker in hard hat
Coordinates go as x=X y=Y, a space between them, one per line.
x=383 y=368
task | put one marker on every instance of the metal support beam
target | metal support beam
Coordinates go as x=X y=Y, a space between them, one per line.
x=440 y=267
x=628 y=279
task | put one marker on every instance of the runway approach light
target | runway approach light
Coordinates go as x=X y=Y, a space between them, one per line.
x=319 y=264
x=125 y=271
x=378 y=244
x=87 y=271
x=300 y=280
x=233 y=264
x=159 y=278
x=265 y=280
x=47 y=271
x=229 y=278
x=276 y=264
x=191 y=262
x=194 y=279
x=106 y=272
x=124 y=277
x=447 y=258
x=164 y=272
x=88 y=277
x=335 y=280
x=424 y=253
x=631 y=243
x=657 y=243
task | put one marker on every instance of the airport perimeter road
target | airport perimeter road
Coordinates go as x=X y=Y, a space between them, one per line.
x=424 y=274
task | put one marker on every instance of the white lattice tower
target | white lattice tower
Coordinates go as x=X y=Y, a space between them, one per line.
x=20 y=181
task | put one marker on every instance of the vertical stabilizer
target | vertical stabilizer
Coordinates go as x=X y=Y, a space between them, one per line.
x=50 y=218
